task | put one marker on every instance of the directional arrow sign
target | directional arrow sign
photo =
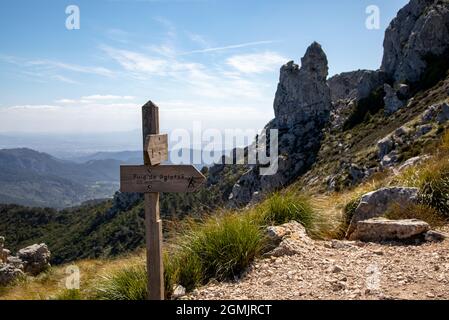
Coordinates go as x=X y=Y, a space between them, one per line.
x=163 y=178
x=156 y=145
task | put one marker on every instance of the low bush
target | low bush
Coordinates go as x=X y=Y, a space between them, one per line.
x=366 y=108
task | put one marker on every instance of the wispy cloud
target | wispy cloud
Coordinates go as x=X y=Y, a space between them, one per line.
x=95 y=98
x=44 y=69
x=233 y=46
x=256 y=62
x=70 y=67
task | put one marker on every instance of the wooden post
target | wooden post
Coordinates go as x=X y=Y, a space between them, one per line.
x=153 y=223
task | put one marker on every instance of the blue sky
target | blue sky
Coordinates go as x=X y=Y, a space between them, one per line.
x=214 y=61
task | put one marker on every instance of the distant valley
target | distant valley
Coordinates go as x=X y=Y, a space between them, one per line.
x=32 y=178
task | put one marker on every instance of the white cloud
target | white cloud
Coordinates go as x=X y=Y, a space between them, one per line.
x=233 y=46
x=72 y=118
x=136 y=62
x=69 y=67
x=107 y=97
x=256 y=62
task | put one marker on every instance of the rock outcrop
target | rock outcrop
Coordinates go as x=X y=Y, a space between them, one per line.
x=302 y=108
x=31 y=260
x=392 y=100
x=375 y=204
x=8 y=274
x=355 y=85
x=420 y=28
x=381 y=229
x=303 y=93
x=36 y=258
x=389 y=146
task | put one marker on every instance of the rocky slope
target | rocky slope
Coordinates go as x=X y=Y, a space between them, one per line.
x=341 y=270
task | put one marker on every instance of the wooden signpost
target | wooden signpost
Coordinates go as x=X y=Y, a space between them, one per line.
x=150 y=179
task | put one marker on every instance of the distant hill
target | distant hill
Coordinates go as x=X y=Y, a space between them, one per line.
x=135 y=157
x=32 y=178
x=129 y=157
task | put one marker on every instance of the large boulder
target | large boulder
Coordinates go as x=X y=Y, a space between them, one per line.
x=381 y=229
x=419 y=29
x=36 y=258
x=8 y=274
x=375 y=204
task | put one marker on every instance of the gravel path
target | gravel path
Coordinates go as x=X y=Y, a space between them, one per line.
x=343 y=270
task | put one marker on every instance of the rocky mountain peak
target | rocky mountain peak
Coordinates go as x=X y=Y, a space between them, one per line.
x=420 y=29
x=315 y=62
x=302 y=91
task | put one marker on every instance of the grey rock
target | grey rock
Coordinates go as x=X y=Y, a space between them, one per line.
x=292 y=229
x=412 y=161
x=36 y=258
x=385 y=146
x=8 y=274
x=391 y=100
x=376 y=203
x=380 y=229
x=419 y=29
x=435 y=236
x=443 y=115
x=288 y=239
x=178 y=292
x=438 y=112
x=390 y=159
x=16 y=262
x=355 y=85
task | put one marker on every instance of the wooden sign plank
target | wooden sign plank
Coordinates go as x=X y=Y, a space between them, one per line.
x=156 y=146
x=163 y=178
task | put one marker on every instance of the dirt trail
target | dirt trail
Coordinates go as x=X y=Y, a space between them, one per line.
x=342 y=270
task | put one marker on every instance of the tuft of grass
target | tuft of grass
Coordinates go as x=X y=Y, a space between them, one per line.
x=282 y=208
x=349 y=210
x=416 y=211
x=224 y=245
x=129 y=283
x=432 y=179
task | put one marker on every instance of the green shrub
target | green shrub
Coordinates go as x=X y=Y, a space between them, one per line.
x=127 y=284
x=279 y=209
x=365 y=108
